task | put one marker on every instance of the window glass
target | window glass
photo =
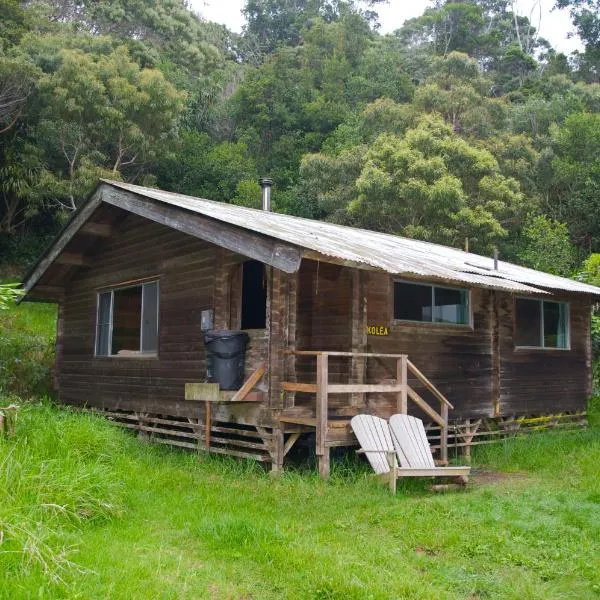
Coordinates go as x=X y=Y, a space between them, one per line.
x=127 y=320
x=528 y=326
x=450 y=306
x=541 y=323
x=150 y=317
x=555 y=325
x=412 y=302
x=103 y=330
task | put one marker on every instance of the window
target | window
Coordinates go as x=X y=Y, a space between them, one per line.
x=254 y=295
x=431 y=304
x=127 y=321
x=541 y=323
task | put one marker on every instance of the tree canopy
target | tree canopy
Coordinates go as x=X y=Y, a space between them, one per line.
x=462 y=124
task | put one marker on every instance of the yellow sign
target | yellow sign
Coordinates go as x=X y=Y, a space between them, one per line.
x=377 y=330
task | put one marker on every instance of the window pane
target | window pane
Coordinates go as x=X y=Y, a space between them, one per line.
x=150 y=317
x=412 y=302
x=103 y=324
x=555 y=325
x=451 y=306
x=528 y=326
x=127 y=311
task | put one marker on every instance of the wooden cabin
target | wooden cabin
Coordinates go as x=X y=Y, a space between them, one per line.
x=340 y=320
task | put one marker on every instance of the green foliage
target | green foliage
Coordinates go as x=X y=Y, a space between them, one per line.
x=427 y=183
x=547 y=246
x=145 y=90
x=576 y=177
x=9 y=293
x=27 y=334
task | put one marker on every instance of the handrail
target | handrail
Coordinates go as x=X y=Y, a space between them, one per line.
x=335 y=353
x=428 y=384
x=322 y=388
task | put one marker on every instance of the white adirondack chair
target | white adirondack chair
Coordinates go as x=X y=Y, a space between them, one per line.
x=404 y=440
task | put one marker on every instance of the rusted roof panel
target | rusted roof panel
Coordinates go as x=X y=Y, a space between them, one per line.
x=393 y=254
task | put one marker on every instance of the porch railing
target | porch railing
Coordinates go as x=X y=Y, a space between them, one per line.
x=401 y=388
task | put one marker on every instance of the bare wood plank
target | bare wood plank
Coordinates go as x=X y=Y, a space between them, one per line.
x=428 y=384
x=322 y=450
x=207 y=392
x=402 y=379
x=414 y=396
x=290 y=442
x=349 y=354
x=351 y=388
x=307 y=421
x=290 y=386
x=249 y=384
x=281 y=256
x=444 y=434
x=207 y=423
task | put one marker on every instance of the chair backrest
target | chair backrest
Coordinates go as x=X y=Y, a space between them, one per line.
x=373 y=433
x=410 y=441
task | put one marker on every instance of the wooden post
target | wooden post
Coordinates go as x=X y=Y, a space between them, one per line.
x=444 y=433
x=393 y=463
x=322 y=450
x=358 y=334
x=402 y=379
x=278 y=449
x=59 y=345
x=207 y=423
x=495 y=348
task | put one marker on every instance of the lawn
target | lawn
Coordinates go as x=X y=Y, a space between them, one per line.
x=88 y=511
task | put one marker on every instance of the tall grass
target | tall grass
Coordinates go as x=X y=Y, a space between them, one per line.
x=55 y=476
x=87 y=511
x=27 y=336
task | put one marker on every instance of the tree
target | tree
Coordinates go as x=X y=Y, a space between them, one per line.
x=585 y=15
x=547 y=246
x=575 y=192
x=426 y=183
x=103 y=112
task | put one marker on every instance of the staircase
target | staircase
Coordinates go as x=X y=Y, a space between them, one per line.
x=332 y=430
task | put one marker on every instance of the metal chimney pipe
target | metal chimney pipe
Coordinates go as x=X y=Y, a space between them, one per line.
x=496 y=259
x=265 y=184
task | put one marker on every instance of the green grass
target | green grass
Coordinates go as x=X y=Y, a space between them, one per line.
x=87 y=511
x=27 y=334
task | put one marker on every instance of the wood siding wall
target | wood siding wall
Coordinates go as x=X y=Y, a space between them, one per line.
x=456 y=358
x=542 y=381
x=476 y=367
x=193 y=275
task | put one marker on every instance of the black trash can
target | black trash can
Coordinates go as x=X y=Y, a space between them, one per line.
x=225 y=354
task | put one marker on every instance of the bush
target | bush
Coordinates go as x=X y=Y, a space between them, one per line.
x=27 y=334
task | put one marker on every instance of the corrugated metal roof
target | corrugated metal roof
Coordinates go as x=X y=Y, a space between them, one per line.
x=393 y=254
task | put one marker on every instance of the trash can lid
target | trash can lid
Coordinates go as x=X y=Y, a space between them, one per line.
x=214 y=334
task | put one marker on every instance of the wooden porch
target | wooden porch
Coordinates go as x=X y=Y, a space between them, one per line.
x=333 y=430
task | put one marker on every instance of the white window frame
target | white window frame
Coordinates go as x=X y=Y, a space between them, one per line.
x=112 y=291
x=542 y=331
x=433 y=286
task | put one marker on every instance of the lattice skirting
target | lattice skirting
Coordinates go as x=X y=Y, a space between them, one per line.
x=243 y=441
x=464 y=434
